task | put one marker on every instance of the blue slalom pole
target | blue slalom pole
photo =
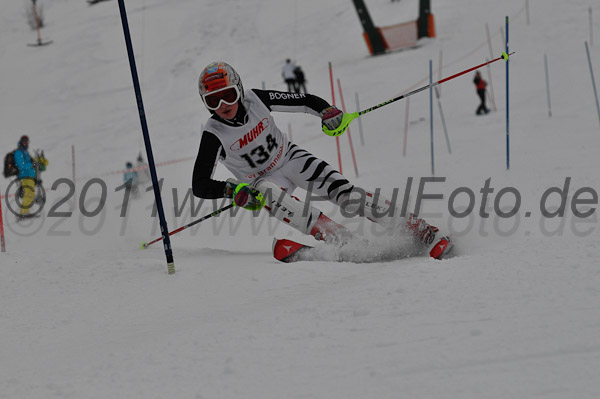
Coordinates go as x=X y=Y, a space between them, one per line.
x=587 y=49
x=431 y=114
x=507 y=105
x=138 y=95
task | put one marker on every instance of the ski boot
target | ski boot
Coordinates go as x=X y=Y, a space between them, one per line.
x=426 y=234
x=331 y=232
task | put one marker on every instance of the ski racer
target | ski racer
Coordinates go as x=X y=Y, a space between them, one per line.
x=267 y=168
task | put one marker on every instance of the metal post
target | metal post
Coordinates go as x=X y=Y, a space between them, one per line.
x=369 y=28
x=423 y=20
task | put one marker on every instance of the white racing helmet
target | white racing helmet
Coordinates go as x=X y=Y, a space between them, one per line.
x=217 y=77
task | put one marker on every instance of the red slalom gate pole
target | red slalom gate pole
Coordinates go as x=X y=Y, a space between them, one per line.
x=405 y=129
x=337 y=139
x=491 y=92
x=349 y=136
x=37 y=24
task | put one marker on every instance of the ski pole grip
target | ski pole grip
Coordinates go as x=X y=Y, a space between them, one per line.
x=346 y=119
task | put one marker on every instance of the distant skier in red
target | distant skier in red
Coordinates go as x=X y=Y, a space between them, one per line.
x=481 y=85
x=242 y=134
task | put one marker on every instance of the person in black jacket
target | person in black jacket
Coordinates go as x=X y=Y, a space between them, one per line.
x=287 y=73
x=300 y=80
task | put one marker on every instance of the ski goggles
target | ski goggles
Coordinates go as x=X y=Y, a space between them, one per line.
x=228 y=95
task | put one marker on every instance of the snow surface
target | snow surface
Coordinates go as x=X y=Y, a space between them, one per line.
x=85 y=314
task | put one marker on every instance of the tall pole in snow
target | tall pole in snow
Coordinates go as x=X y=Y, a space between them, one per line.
x=431 y=115
x=405 y=128
x=73 y=167
x=2 y=243
x=439 y=102
x=491 y=91
x=37 y=23
x=337 y=139
x=547 y=86
x=587 y=49
x=438 y=90
x=360 y=129
x=507 y=105
x=591 y=27
x=149 y=155
x=349 y=135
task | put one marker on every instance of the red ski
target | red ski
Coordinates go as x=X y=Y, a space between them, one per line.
x=288 y=251
x=442 y=248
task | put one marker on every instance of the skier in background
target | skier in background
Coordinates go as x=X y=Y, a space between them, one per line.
x=481 y=85
x=300 y=80
x=143 y=175
x=243 y=134
x=289 y=76
x=130 y=177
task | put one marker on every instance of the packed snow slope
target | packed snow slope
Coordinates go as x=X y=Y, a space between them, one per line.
x=84 y=313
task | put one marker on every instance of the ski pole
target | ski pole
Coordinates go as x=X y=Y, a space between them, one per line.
x=347 y=118
x=215 y=213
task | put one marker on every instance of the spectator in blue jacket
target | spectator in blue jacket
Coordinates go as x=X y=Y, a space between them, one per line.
x=130 y=177
x=26 y=176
